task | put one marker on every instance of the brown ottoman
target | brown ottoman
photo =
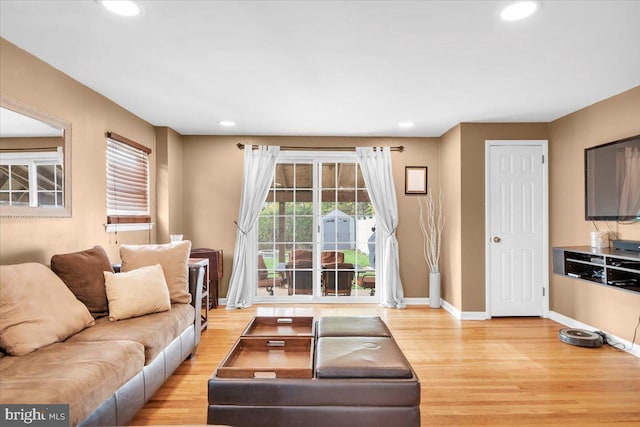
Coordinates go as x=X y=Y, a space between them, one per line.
x=357 y=380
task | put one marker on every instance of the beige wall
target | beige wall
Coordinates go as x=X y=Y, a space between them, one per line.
x=212 y=183
x=463 y=176
x=611 y=310
x=31 y=81
x=168 y=183
x=473 y=137
x=451 y=179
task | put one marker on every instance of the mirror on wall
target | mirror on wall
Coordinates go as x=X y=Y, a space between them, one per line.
x=35 y=162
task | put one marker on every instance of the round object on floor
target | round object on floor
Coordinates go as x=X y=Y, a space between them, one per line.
x=581 y=337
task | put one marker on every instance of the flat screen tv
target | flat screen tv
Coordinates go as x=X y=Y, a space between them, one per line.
x=612 y=180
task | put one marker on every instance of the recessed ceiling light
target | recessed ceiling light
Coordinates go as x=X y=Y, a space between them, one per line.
x=406 y=124
x=519 y=10
x=122 y=7
x=226 y=123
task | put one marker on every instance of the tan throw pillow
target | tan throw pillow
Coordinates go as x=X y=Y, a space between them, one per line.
x=136 y=293
x=174 y=259
x=36 y=309
x=82 y=273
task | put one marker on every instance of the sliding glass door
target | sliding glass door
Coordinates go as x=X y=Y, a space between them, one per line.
x=315 y=232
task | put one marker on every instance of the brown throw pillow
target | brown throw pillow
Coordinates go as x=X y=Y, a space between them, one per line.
x=36 y=309
x=174 y=259
x=82 y=272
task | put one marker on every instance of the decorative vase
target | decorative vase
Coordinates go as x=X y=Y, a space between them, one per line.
x=434 y=290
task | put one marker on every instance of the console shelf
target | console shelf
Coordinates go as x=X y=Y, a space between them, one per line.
x=605 y=266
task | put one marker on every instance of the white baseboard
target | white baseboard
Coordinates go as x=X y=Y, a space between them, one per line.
x=473 y=315
x=463 y=315
x=416 y=301
x=572 y=323
x=451 y=309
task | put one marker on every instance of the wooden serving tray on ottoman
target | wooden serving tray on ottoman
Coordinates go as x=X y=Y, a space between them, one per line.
x=273 y=357
x=265 y=326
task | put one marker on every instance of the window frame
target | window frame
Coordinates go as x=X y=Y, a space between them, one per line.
x=138 y=217
x=31 y=160
x=317 y=158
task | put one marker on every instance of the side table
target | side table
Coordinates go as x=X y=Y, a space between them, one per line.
x=204 y=305
x=215 y=271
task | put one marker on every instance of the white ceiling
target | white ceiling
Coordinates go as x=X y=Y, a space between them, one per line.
x=352 y=68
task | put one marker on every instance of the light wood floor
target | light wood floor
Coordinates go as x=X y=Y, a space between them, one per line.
x=500 y=372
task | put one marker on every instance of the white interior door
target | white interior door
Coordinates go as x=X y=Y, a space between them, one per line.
x=517 y=228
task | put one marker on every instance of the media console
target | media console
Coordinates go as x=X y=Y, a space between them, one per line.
x=606 y=266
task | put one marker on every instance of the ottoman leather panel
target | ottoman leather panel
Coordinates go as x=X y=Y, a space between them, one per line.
x=313 y=416
x=352 y=326
x=360 y=357
x=314 y=392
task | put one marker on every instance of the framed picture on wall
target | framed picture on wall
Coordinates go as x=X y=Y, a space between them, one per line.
x=415 y=180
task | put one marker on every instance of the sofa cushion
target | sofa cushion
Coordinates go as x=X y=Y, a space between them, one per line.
x=36 y=309
x=154 y=331
x=137 y=292
x=81 y=374
x=174 y=259
x=82 y=273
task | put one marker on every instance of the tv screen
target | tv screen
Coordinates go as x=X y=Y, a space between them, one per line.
x=612 y=180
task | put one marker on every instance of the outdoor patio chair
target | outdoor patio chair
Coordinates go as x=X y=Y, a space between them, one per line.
x=330 y=258
x=344 y=273
x=300 y=255
x=264 y=281
x=300 y=277
x=367 y=280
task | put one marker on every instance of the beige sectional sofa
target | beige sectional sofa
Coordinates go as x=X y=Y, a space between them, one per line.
x=105 y=370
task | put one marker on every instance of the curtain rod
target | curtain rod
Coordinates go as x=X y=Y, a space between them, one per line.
x=240 y=146
x=127 y=141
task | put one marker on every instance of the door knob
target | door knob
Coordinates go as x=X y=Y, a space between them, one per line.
x=497 y=239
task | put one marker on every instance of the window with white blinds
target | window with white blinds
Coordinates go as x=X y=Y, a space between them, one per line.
x=127 y=181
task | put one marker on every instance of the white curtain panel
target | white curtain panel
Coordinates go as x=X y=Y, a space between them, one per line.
x=376 y=170
x=259 y=167
x=629 y=195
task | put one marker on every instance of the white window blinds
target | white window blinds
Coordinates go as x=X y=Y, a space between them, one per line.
x=127 y=181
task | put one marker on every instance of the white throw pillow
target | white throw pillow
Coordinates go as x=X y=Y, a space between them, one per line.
x=174 y=259
x=136 y=292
